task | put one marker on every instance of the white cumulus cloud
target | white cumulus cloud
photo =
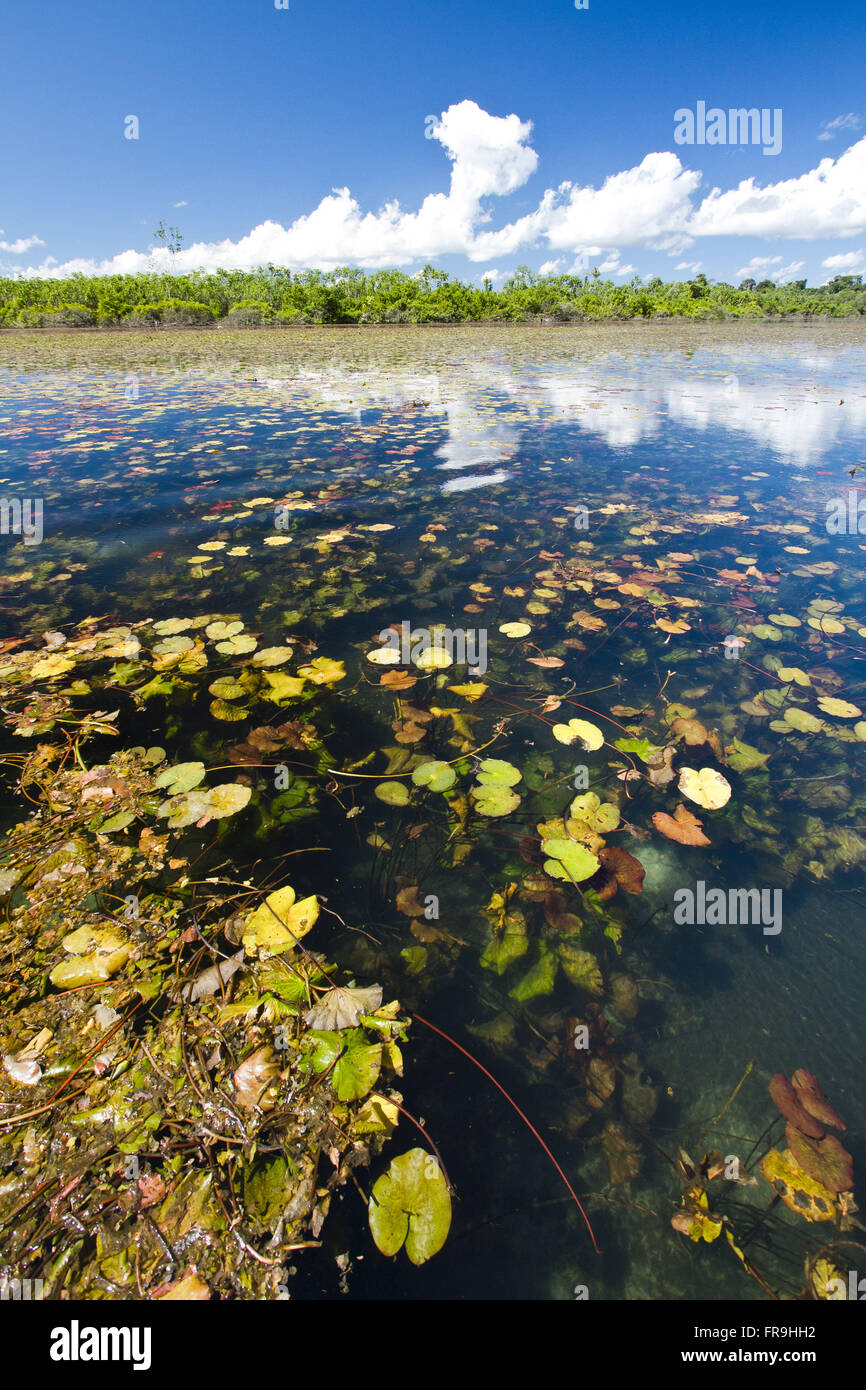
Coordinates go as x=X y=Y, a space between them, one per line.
x=846 y=260
x=829 y=200
x=656 y=205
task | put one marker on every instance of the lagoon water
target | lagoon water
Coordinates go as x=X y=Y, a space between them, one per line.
x=636 y=496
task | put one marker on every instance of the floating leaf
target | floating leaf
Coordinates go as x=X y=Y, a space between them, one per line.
x=279 y=923
x=322 y=670
x=254 y=1076
x=515 y=629
x=227 y=688
x=399 y=680
x=839 y=709
x=496 y=772
x=682 y=826
x=99 y=952
x=599 y=816
x=801 y=1194
x=813 y=1100
x=220 y=631
x=628 y=872
x=677 y=626
x=384 y=656
x=825 y=1160
x=283 y=688
x=569 y=860
x=237 y=646
x=793 y=674
x=433 y=658
x=494 y=798
x=343 y=1007
x=227 y=799
x=802 y=721
x=410 y=1205
x=788 y=1102
x=580 y=731
x=641 y=747
x=692 y=730
x=437 y=776
x=357 y=1071
x=708 y=788
x=47 y=667
x=392 y=793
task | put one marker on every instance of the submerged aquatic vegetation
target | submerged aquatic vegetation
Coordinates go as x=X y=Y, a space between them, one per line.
x=813 y=1179
x=178 y=1112
x=490 y=841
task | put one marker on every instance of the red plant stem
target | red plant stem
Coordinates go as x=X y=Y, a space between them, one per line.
x=390 y=1100
x=527 y=1122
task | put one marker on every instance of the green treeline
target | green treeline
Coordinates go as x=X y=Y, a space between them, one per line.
x=274 y=295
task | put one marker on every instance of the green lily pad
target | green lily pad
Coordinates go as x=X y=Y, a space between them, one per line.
x=220 y=631
x=802 y=721
x=392 y=793
x=227 y=799
x=180 y=778
x=496 y=772
x=494 y=799
x=438 y=776
x=357 y=1071
x=569 y=860
x=237 y=646
x=641 y=747
x=410 y=1205
x=272 y=656
x=599 y=816
x=118 y=822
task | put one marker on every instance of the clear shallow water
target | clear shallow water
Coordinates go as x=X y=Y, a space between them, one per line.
x=414 y=466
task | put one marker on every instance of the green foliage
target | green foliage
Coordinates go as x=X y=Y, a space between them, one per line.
x=273 y=294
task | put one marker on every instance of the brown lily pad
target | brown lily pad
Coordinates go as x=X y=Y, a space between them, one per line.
x=812 y=1098
x=627 y=872
x=785 y=1097
x=825 y=1160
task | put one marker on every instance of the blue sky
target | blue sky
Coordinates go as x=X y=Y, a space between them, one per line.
x=553 y=143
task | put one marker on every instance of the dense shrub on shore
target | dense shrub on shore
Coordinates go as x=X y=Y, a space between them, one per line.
x=273 y=294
